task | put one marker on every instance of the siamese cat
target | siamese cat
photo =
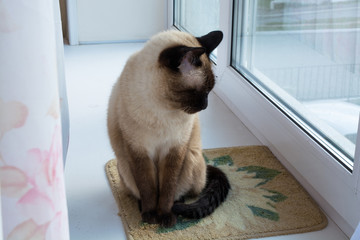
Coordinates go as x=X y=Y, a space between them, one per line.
x=154 y=127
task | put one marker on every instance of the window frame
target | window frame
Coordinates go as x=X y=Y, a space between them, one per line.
x=333 y=187
x=323 y=135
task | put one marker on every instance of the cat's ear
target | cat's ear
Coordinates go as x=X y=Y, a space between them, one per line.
x=210 y=41
x=181 y=57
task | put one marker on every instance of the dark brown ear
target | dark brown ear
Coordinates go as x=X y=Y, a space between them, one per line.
x=210 y=41
x=173 y=57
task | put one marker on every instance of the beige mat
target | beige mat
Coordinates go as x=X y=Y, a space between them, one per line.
x=265 y=200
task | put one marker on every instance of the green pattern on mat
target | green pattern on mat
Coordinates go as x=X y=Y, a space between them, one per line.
x=182 y=223
x=264 y=213
x=261 y=172
x=276 y=197
x=223 y=160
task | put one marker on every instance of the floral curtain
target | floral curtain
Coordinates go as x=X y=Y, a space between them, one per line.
x=33 y=202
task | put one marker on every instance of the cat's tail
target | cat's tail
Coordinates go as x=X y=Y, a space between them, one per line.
x=215 y=192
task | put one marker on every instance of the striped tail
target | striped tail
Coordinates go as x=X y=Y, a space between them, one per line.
x=215 y=192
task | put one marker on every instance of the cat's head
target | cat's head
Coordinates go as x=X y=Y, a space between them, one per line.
x=188 y=73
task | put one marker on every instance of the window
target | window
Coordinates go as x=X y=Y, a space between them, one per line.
x=197 y=17
x=304 y=56
x=289 y=69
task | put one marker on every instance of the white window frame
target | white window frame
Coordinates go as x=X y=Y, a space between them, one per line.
x=334 y=188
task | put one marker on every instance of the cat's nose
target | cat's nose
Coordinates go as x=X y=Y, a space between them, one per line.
x=204 y=102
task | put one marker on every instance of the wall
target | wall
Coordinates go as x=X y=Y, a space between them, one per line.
x=120 y=20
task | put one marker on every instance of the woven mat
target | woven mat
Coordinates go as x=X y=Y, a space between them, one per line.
x=265 y=200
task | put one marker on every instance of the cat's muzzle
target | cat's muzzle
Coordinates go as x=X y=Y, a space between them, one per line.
x=197 y=106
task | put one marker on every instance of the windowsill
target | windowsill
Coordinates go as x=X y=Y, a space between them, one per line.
x=91 y=206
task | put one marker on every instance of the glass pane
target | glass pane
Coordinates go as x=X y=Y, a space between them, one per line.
x=305 y=57
x=197 y=17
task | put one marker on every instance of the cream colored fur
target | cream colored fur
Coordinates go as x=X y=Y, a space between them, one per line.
x=138 y=108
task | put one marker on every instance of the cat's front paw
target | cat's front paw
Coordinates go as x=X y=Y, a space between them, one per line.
x=167 y=219
x=149 y=217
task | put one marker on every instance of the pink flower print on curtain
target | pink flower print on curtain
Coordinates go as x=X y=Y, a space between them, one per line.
x=15 y=117
x=33 y=202
x=35 y=188
x=47 y=188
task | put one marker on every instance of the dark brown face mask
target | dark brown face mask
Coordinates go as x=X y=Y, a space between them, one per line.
x=181 y=60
